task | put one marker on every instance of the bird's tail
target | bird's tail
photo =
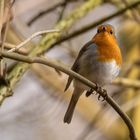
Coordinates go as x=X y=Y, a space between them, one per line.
x=72 y=104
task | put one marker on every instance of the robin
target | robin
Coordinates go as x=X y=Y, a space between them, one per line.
x=99 y=61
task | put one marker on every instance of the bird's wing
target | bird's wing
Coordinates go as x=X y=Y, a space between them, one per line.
x=75 y=66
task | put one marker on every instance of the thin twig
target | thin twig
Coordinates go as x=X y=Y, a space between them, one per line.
x=2 y=3
x=42 y=13
x=94 y=24
x=85 y=81
x=62 y=10
x=133 y=12
x=3 y=32
x=125 y=82
x=129 y=67
x=31 y=37
x=2 y=63
x=4 y=35
x=9 y=46
x=1 y=15
x=39 y=15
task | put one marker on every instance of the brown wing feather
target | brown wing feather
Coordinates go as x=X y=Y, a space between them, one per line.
x=75 y=66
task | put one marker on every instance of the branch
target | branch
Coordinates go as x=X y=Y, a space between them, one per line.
x=2 y=37
x=42 y=13
x=62 y=10
x=1 y=15
x=125 y=82
x=31 y=37
x=39 y=15
x=5 y=16
x=75 y=75
x=134 y=14
x=94 y=24
x=10 y=46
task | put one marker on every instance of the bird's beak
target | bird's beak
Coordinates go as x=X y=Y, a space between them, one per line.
x=104 y=30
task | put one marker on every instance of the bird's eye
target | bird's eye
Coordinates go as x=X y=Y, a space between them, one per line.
x=111 y=32
x=98 y=31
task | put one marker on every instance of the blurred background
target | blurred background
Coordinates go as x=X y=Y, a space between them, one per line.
x=37 y=107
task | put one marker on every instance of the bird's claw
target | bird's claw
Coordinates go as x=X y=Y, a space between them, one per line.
x=89 y=92
x=97 y=89
x=100 y=89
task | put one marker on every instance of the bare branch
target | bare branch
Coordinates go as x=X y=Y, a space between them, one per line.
x=133 y=12
x=54 y=7
x=63 y=10
x=10 y=46
x=5 y=16
x=31 y=37
x=125 y=82
x=85 y=81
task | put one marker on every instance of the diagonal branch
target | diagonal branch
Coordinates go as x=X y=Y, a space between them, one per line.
x=133 y=12
x=39 y=15
x=31 y=37
x=9 y=46
x=42 y=13
x=85 y=81
x=125 y=82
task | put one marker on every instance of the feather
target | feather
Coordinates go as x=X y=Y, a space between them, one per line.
x=74 y=99
x=75 y=66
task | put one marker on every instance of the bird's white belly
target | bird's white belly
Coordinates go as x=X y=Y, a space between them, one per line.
x=104 y=72
x=101 y=73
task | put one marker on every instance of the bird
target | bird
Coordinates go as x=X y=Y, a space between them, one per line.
x=99 y=60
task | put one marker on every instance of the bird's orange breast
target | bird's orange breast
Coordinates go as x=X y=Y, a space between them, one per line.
x=108 y=48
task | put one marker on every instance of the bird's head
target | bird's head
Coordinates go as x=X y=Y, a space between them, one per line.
x=107 y=44
x=105 y=33
x=106 y=29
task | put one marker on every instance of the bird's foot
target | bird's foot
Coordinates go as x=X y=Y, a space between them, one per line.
x=99 y=89
x=89 y=92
